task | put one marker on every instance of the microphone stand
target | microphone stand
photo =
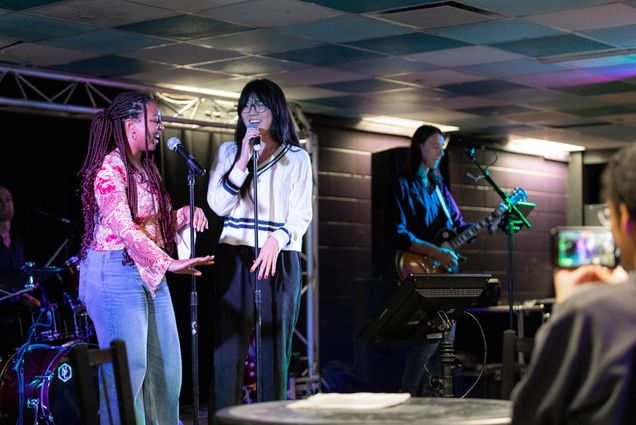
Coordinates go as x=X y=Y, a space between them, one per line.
x=193 y=310
x=508 y=227
x=256 y=147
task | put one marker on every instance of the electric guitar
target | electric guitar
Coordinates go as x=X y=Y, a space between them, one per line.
x=408 y=262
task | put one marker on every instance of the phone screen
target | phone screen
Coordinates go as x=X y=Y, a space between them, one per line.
x=584 y=245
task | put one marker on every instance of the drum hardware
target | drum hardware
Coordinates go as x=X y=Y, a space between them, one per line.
x=36 y=386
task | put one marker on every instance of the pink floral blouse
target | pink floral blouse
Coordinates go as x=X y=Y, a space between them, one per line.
x=115 y=228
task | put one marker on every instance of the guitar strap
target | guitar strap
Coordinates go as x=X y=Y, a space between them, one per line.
x=442 y=203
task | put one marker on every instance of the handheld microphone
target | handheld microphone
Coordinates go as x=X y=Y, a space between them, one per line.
x=174 y=144
x=255 y=142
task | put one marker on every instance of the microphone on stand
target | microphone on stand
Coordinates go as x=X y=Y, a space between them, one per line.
x=63 y=220
x=467 y=146
x=174 y=144
x=255 y=142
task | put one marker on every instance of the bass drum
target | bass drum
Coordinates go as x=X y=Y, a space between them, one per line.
x=50 y=396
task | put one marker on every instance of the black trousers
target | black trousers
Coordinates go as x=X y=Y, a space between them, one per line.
x=234 y=323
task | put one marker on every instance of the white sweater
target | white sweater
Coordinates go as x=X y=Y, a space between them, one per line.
x=284 y=198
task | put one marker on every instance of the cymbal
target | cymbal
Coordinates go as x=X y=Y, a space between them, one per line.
x=40 y=271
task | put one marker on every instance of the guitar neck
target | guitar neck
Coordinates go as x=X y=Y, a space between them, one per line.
x=467 y=234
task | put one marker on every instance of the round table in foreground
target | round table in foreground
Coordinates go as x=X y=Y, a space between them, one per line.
x=428 y=411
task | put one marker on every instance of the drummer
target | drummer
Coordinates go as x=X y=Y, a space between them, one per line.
x=11 y=257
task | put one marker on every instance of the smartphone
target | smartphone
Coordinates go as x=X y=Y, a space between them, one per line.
x=575 y=246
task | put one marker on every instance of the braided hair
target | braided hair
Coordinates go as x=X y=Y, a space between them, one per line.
x=108 y=134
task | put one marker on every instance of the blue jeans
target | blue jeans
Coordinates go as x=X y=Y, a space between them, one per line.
x=422 y=364
x=121 y=307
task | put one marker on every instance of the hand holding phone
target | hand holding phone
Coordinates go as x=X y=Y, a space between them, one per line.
x=583 y=245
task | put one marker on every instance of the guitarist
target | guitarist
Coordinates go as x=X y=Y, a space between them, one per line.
x=422 y=206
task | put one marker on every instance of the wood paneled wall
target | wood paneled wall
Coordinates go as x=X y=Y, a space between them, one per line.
x=345 y=227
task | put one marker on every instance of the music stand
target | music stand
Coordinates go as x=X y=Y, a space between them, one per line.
x=422 y=310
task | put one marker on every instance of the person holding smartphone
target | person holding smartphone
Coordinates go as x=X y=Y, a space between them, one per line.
x=582 y=369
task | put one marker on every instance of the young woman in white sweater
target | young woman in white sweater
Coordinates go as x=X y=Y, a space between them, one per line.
x=284 y=212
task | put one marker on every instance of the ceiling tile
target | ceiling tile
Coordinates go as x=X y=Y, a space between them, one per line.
x=623 y=118
x=511 y=68
x=21 y=27
x=465 y=102
x=184 y=27
x=326 y=55
x=106 y=41
x=307 y=93
x=602 y=88
x=464 y=56
x=533 y=7
x=252 y=65
x=624 y=36
x=234 y=84
x=609 y=15
x=448 y=117
x=554 y=45
x=352 y=101
x=477 y=88
x=342 y=29
x=621 y=98
x=102 y=13
x=408 y=44
x=437 y=77
x=317 y=75
x=385 y=66
x=188 y=6
x=413 y=95
x=181 y=54
x=184 y=76
x=497 y=110
x=551 y=118
x=616 y=72
x=32 y=53
x=559 y=79
x=612 y=131
x=258 y=42
x=605 y=62
x=362 y=86
x=564 y=102
x=266 y=13
x=499 y=31
x=25 y=4
x=110 y=66
x=446 y=14
x=599 y=112
x=370 y=5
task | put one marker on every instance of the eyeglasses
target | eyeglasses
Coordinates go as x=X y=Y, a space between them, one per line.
x=259 y=107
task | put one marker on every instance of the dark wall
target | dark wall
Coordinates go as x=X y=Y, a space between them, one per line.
x=347 y=229
x=39 y=165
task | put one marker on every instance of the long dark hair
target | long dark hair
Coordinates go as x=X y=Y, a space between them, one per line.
x=282 y=129
x=414 y=155
x=107 y=134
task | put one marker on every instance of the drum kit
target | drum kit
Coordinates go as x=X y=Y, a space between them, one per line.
x=36 y=385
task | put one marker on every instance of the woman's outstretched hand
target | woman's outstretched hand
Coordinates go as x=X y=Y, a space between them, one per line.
x=186 y=266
